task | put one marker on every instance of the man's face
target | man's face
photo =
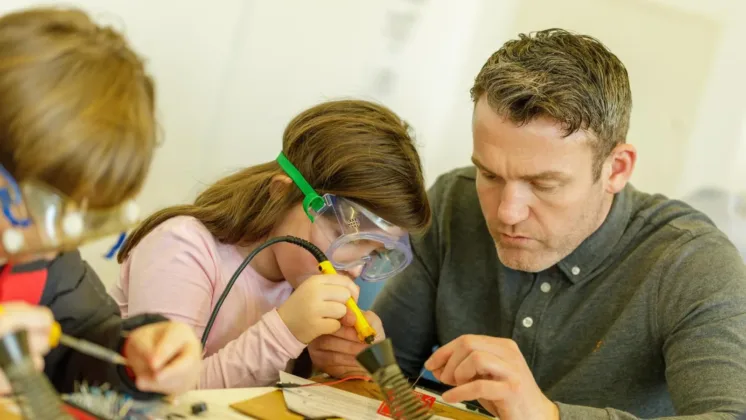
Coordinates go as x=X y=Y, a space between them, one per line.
x=536 y=188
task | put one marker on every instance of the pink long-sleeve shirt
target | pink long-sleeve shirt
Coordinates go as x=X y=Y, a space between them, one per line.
x=180 y=270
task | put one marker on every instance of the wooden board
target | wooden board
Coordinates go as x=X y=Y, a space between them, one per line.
x=8 y=410
x=265 y=407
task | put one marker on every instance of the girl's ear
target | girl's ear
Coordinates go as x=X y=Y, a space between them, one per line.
x=279 y=184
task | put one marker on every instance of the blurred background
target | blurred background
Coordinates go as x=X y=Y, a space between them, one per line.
x=231 y=73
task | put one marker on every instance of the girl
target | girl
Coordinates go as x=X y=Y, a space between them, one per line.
x=77 y=135
x=348 y=179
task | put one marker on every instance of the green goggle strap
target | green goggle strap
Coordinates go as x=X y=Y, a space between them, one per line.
x=312 y=199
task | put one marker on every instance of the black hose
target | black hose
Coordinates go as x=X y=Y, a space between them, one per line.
x=313 y=249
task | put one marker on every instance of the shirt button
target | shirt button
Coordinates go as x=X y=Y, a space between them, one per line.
x=575 y=270
x=546 y=287
x=528 y=322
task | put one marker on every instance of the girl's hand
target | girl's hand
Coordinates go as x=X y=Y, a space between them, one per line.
x=317 y=306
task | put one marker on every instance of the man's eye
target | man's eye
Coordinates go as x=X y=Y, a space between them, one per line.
x=488 y=176
x=545 y=187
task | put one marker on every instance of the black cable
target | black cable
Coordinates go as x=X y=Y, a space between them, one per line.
x=313 y=249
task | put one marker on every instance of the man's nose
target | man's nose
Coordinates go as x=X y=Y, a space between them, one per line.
x=513 y=205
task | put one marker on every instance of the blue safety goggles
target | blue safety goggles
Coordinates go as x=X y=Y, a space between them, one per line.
x=43 y=219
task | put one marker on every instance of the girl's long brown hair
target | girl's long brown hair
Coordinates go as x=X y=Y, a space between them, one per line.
x=352 y=148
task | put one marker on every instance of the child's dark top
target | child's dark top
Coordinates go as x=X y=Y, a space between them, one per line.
x=83 y=308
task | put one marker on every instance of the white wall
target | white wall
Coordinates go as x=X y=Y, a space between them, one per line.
x=187 y=48
x=231 y=73
x=713 y=157
x=409 y=55
x=739 y=170
x=288 y=55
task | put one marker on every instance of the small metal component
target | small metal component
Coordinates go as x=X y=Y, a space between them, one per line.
x=105 y=403
x=199 y=408
x=414 y=385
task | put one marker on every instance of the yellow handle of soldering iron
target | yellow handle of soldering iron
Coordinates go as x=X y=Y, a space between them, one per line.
x=365 y=333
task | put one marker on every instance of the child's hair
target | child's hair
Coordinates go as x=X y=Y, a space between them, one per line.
x=351 y=148
x=76 y=106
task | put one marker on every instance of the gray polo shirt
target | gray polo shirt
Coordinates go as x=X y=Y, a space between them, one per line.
x=646 y=318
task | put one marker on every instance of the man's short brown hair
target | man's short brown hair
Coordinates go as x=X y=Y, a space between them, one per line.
x=573 y=79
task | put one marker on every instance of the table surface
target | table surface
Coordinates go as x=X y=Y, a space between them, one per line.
x=219 y=400
x=218 y=403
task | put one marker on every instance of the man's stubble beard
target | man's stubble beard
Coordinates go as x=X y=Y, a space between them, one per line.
x=534 y=261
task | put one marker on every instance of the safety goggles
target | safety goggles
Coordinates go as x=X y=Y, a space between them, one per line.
x=356 y=237
x=43 y=219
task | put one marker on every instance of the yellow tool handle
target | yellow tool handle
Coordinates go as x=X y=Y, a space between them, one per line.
x=54 y=334
x=365 y=333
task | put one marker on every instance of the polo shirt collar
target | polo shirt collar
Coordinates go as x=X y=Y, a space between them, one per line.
x=595 y=249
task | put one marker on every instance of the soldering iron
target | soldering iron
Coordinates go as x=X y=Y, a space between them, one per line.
x=365 y=333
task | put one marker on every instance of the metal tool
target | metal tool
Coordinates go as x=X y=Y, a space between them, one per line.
x=380 y=362
x=414 y=385
x=56 y=337
x=86 y=347
x=35 y=395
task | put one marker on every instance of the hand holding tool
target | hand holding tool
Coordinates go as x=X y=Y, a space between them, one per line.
x=365 y=333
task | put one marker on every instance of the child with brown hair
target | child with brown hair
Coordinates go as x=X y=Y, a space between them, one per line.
x=77 y=136
x=349 y=180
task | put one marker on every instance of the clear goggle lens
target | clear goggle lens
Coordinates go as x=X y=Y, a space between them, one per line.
x=43 y=219
x=361 y=241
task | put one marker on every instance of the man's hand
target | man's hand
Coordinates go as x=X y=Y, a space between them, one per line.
x=335 y=353
x=493 y=371
x=166 y=357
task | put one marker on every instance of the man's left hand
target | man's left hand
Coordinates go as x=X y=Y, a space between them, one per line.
x=493 y=371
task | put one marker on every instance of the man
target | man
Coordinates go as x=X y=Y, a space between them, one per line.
x=77 y=135
x=601 y=302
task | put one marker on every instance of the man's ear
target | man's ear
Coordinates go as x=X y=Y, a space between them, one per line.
x=279 y=184
x=618 y=167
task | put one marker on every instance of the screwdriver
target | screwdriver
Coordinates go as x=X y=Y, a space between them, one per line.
x=86 y=347
x=83 y=346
